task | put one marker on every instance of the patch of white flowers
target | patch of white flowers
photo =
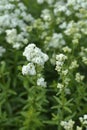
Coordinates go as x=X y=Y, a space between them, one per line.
x=60 y=86
x=79 y=77
x=60 y=59
x=29 y=69
x=83 y=120
x=16 y=39
x=67 y=125
x=78 y=128
x=83 y=55
x=66 y=49
x=35 y=56
x=57 y=40
x=13 y=16
x=74 y=65
x=46 y=15
x=84 y=60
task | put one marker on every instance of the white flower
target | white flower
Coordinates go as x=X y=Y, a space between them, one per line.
x=14 y=17
x=60 y=61
x=60 y=86
x=65 y=72
x=83 y=120
x=84 y=60
x=85 y=117
x=66 y=81
x=29 y=69
x=35 y=55
x=74 y=65
x=41 y=82
x=15 y=39
x=57 y=40
x=11 y=35
x=59 y=7
x=61 y=57
x=78 y=128
x=66 y=49
x=67 y=125
x=79 y=77
x=63 y=25
x=46 y=15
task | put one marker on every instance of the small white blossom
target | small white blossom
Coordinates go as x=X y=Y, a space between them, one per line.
x=46 y=15
x=84 y=60
x=61 y=57
x=65 y=72
x=11 y=35
x=60 y=61
x=67 y=125
x=74 y=65
x=63 y=25
x=60 y=86
x=79 y=77
x=78 y=128
x=29 y=69
x=15 y=39
x=41 y=82
x=83 y=120
x=57 y=40
x=67 y=49
x=66 y=81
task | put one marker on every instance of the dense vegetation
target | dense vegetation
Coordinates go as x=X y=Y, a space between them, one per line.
x=43 y=65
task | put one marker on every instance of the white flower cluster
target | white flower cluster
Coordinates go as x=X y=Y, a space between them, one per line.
x=66 y=49
x=60 y=59
x=57 y=40
x=35 y=56
x=69 y=7
x=77 y=4
x=79 y=77
x=83 y=120
x=13 y=14
x=59 y=7
x=46 y=15
x=41 y=82
x=67 y=125
x=71 y=27
x=29 y=69
x=16 y=39
x=65 y=72
x=2 y=50
x=74 y=65
x=83 y=55
x=84 y=60
x=60 y=86
x=78 y=128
